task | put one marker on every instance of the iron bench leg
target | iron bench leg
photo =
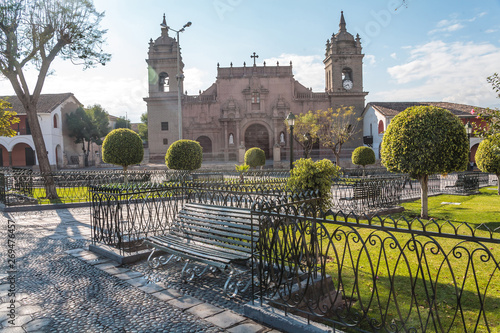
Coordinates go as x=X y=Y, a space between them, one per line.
x=236 y=282
x=155 y=262
x=191 y=270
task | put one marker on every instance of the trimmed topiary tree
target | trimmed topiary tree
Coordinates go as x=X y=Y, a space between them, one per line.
x=488 y=156
x=122 y=147
x=184 y=155
x=363 y=156
x=255 y=157
x=309 y=175
x=425 y=140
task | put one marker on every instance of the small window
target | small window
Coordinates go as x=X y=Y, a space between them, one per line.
x=231 y=139
x=165 y=142
x=255 y=101
x=55 y=121
x=164 y=125
x=164 y=82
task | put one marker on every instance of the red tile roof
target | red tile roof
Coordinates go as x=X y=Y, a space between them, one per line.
x=390 y=109
x=46 y=104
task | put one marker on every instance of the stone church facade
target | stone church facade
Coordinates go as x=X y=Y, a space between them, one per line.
x=246 y=106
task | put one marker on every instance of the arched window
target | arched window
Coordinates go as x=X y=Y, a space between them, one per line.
x=55 y=121
x=164 y=82
x=371 y=130
x=231 y=139
x=346 y=74
x=380 y=127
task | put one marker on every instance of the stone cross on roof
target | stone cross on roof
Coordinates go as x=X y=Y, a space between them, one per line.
x=254 y=56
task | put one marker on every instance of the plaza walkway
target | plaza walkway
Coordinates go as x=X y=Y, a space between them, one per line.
x=60 y=286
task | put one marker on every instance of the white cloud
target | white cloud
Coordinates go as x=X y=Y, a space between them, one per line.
x=490 y=31
x=394 y=56
x=308 y=70
x=196 y=80
x=370 y=58
x=452 y=72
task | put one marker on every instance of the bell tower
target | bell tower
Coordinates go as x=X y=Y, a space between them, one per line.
x=343 y=62
x=344 y=74
x=162 y=107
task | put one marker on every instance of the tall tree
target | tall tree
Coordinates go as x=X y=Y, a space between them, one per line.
x=87 y=126
x=143 y=127
x=336 y=127
x=34 y=33
x=7 y=119
x=305 y=131
x=491 y=116
x=122 y=122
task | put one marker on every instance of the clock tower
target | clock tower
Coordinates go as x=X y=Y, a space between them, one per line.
x=344 y=73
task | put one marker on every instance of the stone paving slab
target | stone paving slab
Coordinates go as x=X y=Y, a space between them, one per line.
x=184 y=302
x=226 y=319
x=205 y=310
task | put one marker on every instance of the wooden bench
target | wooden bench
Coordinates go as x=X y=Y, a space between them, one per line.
x=217 y=236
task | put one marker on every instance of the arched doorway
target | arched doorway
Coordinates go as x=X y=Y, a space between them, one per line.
x=206 y=144
x=473 y=151
x=23 y=155
x=257 y=135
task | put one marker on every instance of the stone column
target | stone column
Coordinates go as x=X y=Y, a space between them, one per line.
x=241 y=153
x=226 y=150
x=277 y=156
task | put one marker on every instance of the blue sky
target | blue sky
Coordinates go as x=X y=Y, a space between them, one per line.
x=422 y=51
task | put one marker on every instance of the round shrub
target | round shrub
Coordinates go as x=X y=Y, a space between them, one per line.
x=123 y=147
x=184 y=155
x=255 y=157
x=488 y=156
x=363 y=156
x=425 y=140
x=308 y=175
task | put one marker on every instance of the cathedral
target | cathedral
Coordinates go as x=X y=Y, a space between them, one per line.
x=247 y=106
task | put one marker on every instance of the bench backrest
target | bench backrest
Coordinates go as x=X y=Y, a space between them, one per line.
x=228 y=227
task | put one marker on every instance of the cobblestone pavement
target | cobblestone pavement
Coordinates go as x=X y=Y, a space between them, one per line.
x=62 y=287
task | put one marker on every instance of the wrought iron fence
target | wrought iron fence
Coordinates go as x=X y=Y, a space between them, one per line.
x=24 y=186
x=379 y=275
x=122 y=217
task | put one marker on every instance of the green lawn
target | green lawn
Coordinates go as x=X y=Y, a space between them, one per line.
x=473 y=209
x=454 y=269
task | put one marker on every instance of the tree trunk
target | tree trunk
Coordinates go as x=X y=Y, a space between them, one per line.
x=125 y=178
x=424 y=211
x=41 y=152
x=498 y=182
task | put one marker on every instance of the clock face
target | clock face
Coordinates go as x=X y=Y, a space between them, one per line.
x=347 y=84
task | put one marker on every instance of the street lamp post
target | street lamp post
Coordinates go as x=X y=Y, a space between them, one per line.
x=468 y=129
x=179 y=76
x=291 y=122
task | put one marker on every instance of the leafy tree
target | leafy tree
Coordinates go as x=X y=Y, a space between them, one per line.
x=305 y=131
x=488 y=156
x=143 y=127
x=122 y=122
x=336 y=127
x=7 y=119
x=308 y=175
x=425 y=140
x=122 y=147
x=184 y=155
x=363 y=156
x=491 y=116
x=87 y=126
x=32 y=34
x=255 y=157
